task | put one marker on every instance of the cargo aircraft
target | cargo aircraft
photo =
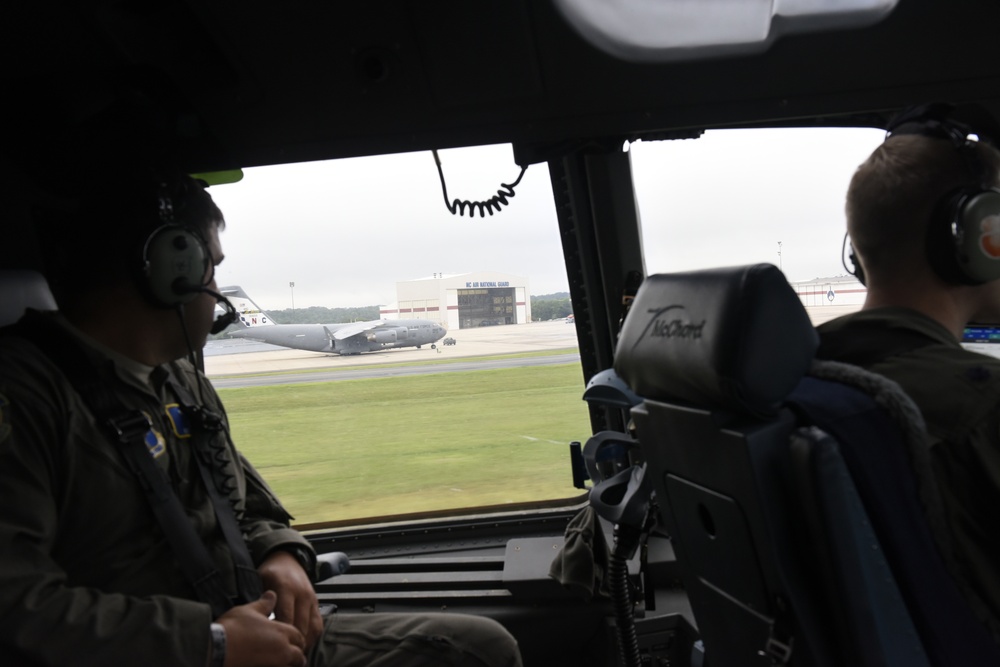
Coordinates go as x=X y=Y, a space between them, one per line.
x=666 y=527
x=343 y=339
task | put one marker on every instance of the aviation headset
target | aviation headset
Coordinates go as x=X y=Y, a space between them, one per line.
x=176 y=263
x=963 y=235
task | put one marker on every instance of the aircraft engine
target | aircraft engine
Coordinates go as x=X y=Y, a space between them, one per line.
x=387 y=335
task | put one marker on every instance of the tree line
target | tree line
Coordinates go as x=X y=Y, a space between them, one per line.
x=321 y=315
x=550 y=306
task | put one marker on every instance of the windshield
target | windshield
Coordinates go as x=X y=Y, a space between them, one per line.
x=481 y=417
x=457 y=386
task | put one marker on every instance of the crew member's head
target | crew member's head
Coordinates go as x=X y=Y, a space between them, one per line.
x=151 y=236
x=897 y=191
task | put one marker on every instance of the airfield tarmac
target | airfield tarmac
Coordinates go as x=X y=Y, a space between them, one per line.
x=235 y=357
x=227 y=357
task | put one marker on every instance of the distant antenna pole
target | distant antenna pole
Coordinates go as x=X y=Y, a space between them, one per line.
x=779 y=255
x=291 y=286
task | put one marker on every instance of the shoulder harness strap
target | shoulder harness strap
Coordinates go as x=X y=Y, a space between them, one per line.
x=128 y=429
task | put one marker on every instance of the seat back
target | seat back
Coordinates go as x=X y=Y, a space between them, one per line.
x=894 y=478
x=22 y=289
x=780 y=559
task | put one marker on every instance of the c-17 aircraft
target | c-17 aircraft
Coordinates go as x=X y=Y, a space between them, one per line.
x=350 y=338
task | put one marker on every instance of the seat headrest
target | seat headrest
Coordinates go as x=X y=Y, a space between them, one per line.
x=21 y=289
x=736 y=339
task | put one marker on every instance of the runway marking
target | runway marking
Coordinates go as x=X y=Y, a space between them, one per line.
x=534 y=439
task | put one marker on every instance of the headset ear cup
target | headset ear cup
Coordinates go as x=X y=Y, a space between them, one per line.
x=174 y=257
x=963 y=238
x=977 y=242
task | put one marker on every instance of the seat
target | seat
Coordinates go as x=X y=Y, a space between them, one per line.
x=22 y=289
x=789 y=492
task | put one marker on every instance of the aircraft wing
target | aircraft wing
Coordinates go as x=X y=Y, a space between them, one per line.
x=354 y=328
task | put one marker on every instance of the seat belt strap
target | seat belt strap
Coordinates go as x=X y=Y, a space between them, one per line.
x=129 y=430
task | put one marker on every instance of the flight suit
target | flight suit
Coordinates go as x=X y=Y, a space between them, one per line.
x=86 y=574
x=958 y=393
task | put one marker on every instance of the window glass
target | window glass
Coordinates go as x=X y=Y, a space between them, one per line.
x=482 y=418
x=736 y=197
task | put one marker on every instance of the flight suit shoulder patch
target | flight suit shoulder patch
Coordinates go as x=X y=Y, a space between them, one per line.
x=178 y=420
x=155 y=443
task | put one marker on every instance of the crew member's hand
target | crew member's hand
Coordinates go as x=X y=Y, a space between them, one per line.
x=297 y=603
x=254 y=640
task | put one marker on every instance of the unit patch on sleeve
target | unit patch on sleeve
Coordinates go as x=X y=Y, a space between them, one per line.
x=155 y=443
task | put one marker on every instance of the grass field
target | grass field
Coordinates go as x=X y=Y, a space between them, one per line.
x=360 y=448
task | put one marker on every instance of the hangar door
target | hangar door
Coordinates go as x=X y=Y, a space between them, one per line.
x=486 y=307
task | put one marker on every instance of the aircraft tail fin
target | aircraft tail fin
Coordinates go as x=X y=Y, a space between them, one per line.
x=250 y=313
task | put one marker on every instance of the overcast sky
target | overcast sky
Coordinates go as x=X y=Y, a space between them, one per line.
x=346 y=231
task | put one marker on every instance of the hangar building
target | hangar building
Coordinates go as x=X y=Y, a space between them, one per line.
x=463 y=300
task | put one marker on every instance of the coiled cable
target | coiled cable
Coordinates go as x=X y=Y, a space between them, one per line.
x=628 y=640
x=458 y=207
x=212 y=451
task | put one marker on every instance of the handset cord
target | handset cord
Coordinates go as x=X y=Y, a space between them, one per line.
x=192 y=355
x=208 y=419
x=458 y=207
